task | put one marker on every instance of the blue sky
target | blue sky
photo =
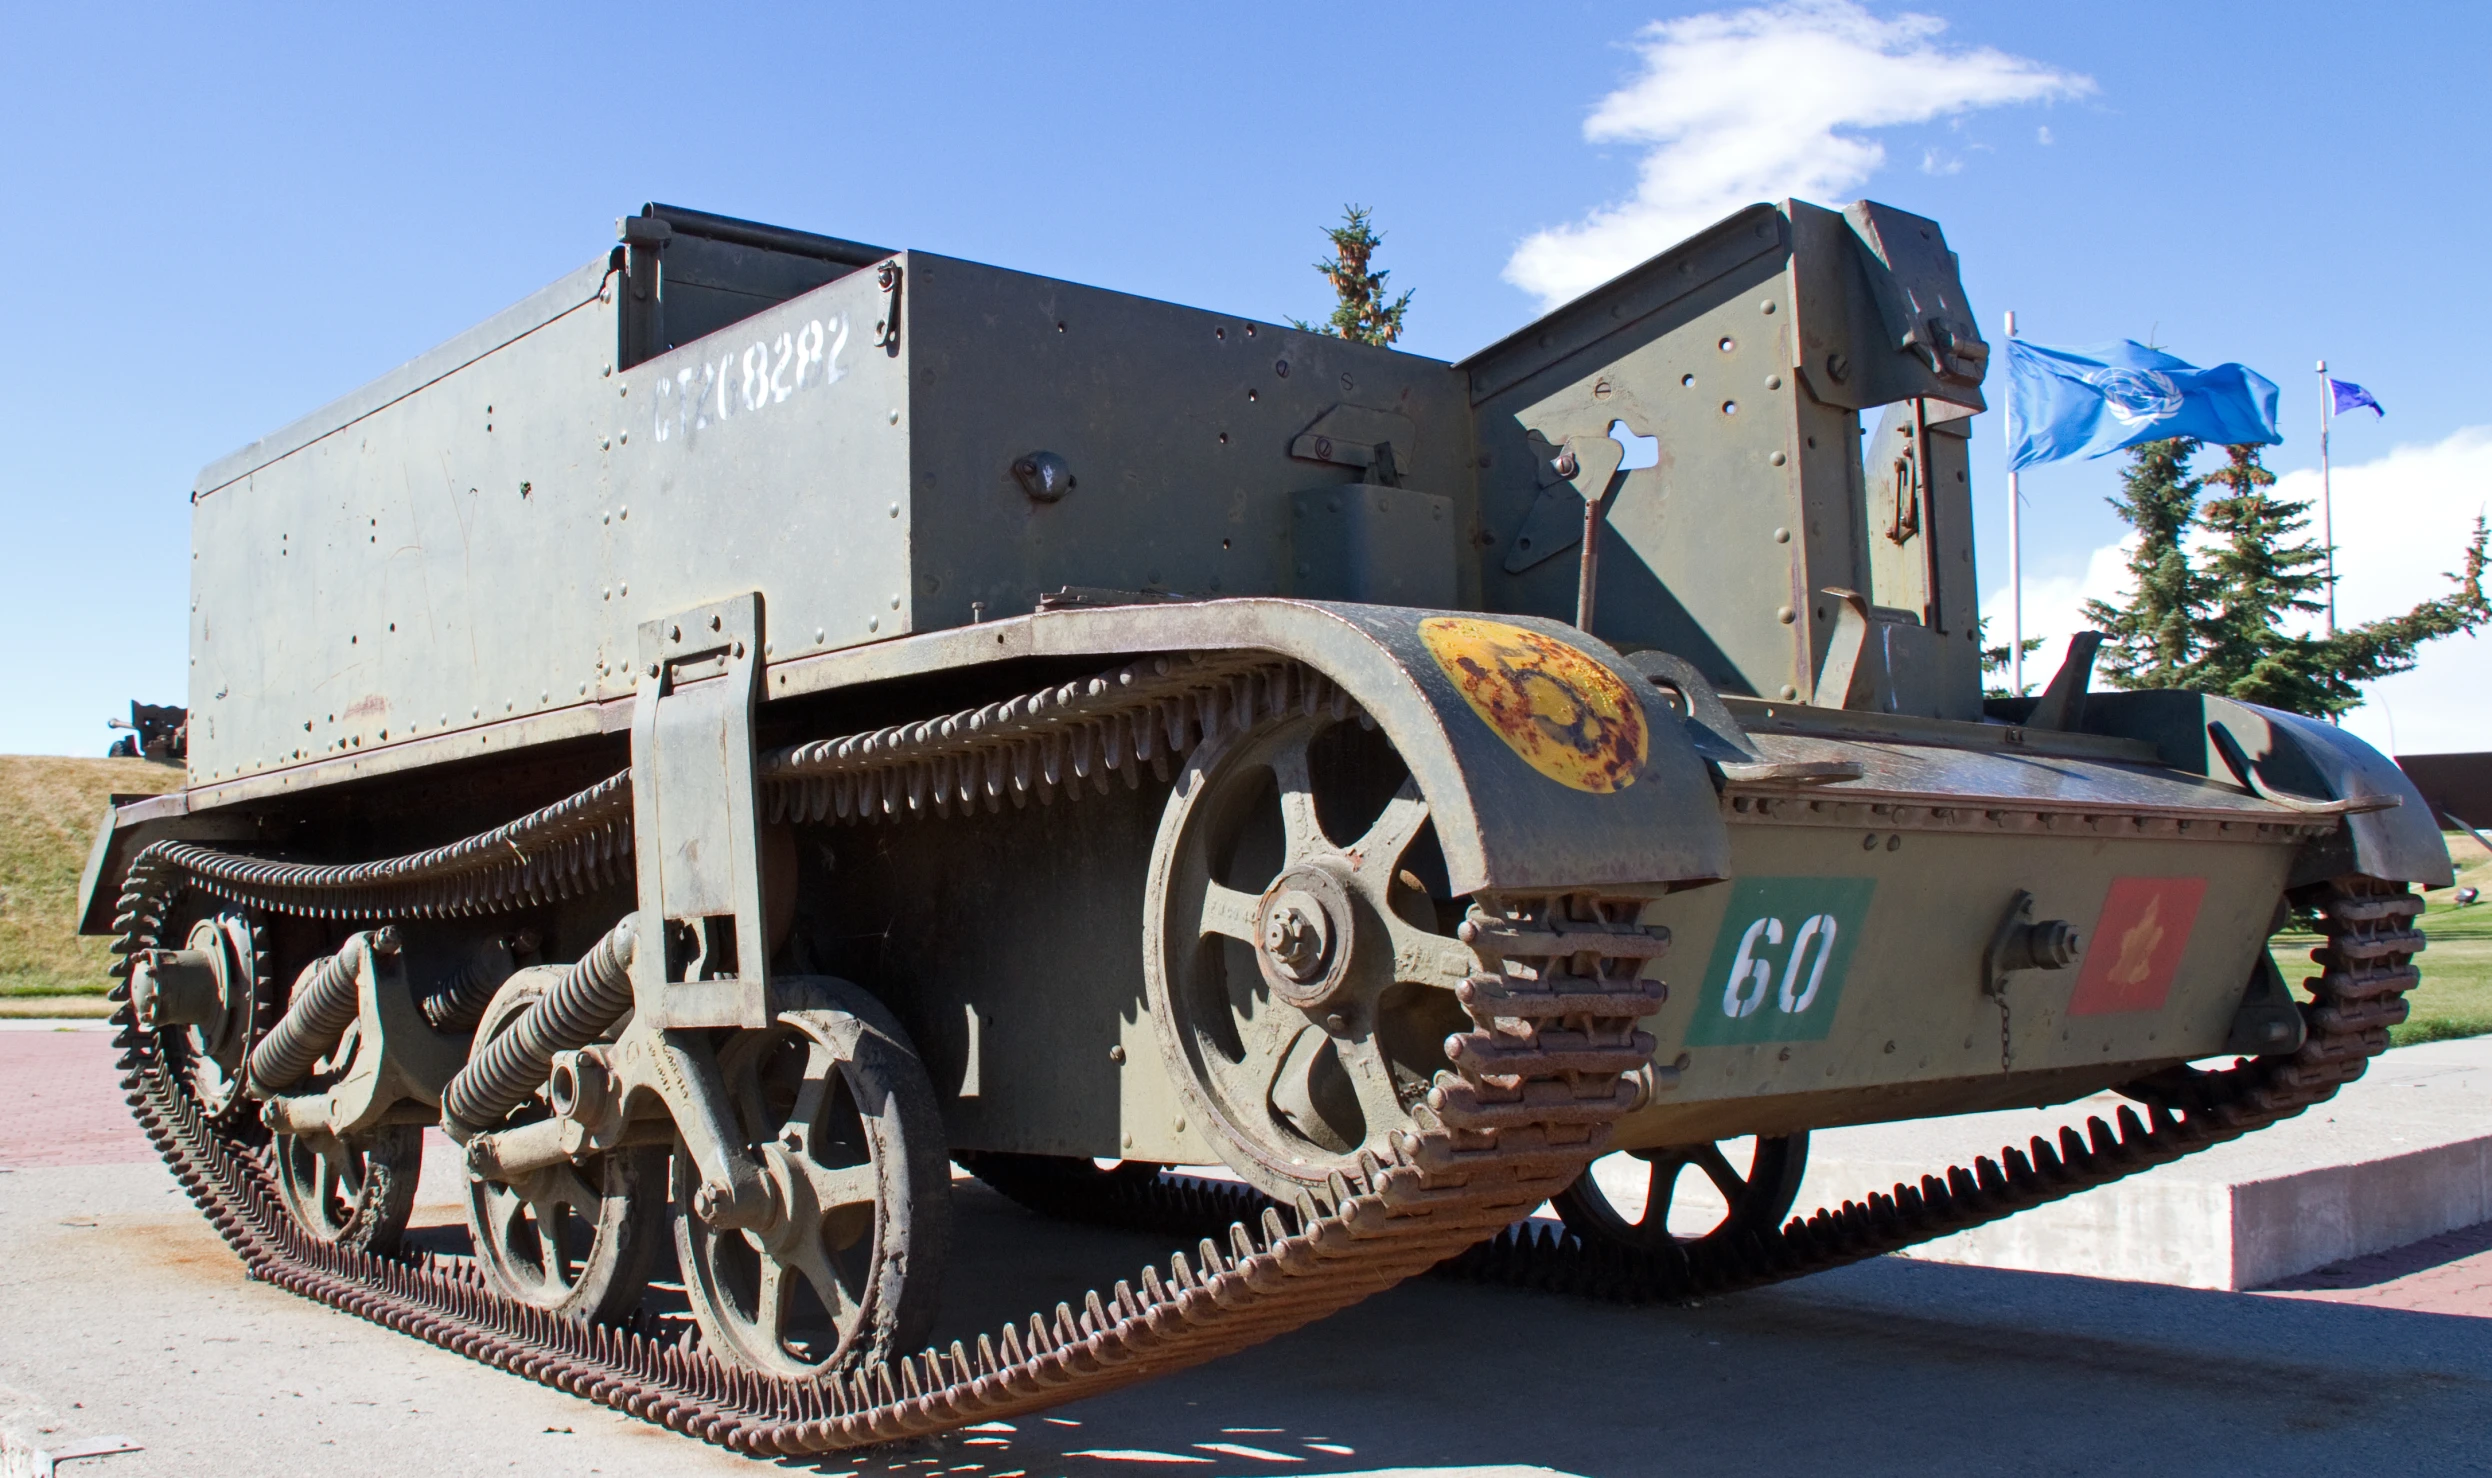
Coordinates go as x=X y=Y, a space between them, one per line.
x=220 y=222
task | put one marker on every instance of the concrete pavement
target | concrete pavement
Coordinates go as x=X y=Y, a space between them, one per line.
x=121 y=1314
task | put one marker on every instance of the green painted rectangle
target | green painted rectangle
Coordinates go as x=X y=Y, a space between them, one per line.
x=1779 y=961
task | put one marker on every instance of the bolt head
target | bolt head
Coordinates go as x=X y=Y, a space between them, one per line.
x=1296 y=935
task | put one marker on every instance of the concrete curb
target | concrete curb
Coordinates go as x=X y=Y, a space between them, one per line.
x=2404 y=1154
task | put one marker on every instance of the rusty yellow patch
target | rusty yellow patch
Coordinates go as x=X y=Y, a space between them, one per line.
x=1569 y=717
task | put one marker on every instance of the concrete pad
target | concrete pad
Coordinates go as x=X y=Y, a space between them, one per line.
x=120 y=1314
x=2400 y=1156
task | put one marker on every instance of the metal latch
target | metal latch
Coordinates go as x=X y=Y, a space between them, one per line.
x=697 y=820
x=888 y=277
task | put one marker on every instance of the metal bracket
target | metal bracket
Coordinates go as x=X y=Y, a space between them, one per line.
x=2062 y=705
x=1921 y=294
x=1347 y=435
x=2270 y=1020
x=1576 y=473
x=398 y=1059
x=1839 y=677
x=2021 y=944
x=697 y=820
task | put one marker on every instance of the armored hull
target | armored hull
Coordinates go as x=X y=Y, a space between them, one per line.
x=770 y=716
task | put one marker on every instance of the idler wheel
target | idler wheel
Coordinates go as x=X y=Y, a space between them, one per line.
x=575 y=1238
x=1603 y=1206
x=205 y=1001
x=851 y=1141
x=1297 y=949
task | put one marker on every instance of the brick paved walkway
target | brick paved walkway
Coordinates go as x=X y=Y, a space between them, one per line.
x=60 y=1102
x=59 y=1105
x=2447 y=1274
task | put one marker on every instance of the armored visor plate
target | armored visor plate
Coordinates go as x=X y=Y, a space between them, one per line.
x=1569 y=717
x=1779 y=962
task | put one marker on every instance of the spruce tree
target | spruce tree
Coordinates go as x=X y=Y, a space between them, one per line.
x=1994 y=663
x=2262 y=575
x=1363 y=315
x=2152 y=640
x=2382 y=648
x=2219 y=624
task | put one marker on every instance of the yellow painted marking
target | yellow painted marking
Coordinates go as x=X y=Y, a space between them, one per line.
x=2138 y=946
x=1568 y=716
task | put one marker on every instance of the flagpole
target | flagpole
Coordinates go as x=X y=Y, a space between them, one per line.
x=2016 y=571
x=2327 y=500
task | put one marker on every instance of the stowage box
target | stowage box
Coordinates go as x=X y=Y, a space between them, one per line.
x=478 y=536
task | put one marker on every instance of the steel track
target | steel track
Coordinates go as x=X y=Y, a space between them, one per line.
x=2366 y=968
x=1555 y=1016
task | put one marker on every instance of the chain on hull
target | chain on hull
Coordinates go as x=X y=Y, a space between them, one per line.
x=1527 y=1118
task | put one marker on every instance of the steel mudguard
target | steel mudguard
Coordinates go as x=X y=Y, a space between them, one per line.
x=2292 y=756
x=1546 y=760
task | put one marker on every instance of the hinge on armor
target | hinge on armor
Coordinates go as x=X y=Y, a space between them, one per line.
x=698 y=823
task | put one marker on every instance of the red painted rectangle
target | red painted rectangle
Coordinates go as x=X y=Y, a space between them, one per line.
x=2136 y=946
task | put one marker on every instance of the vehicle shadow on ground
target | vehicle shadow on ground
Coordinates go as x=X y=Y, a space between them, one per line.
x=1891 y=1366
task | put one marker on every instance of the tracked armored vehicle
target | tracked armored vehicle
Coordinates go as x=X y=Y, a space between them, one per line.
x=769 y=718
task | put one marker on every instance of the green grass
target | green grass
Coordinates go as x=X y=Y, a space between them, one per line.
x=48 y=810
x=2455 y=998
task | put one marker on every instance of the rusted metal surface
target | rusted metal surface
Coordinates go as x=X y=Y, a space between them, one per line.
x=1571 y=719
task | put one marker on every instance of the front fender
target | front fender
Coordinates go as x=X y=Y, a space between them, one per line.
x=1522 y=796
x=2297 y=756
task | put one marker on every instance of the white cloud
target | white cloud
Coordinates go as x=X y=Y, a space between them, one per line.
x=2055 y=607
x=2401 y=525
x=2042 y=136
x=1737 y=106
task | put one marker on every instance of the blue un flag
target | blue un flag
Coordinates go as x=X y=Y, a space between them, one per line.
x=2090 y=401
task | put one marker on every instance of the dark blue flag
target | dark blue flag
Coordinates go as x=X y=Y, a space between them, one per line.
x=2350 y=396
x=2096 y=400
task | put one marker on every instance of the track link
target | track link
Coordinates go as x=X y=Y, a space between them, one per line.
x=1537 y=1095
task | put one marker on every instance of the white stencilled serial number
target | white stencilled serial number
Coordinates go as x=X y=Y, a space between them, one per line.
x=741 y=382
